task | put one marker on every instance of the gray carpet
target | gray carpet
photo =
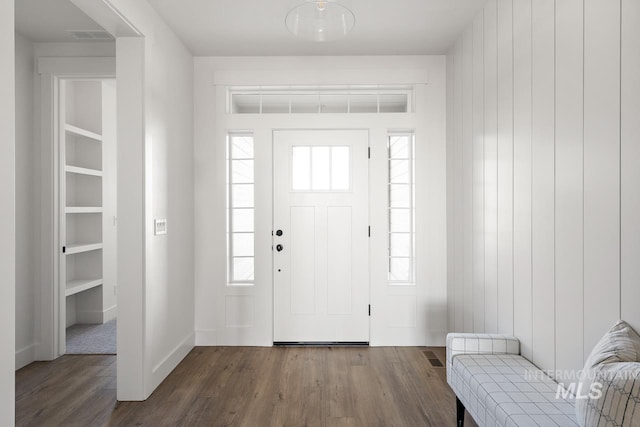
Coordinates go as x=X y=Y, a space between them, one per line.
x=92 y=339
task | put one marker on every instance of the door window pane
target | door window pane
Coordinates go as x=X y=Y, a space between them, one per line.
x=400 y=196
x=304 y=103
x=400 y=244
x=242 y=220
x=393 y=103
x=334 y=104
x=241 y=147
x=242 y=195
x=245 y=104
x=340 y=168
x=399 y=269
x=242 y=171
x=272 y=104
x=243 y=244
x=399 y=147
x=399 y=171
x=320 y=168
x=400 y=220
x=301 y=168
x=363 y=103
x=243 y=269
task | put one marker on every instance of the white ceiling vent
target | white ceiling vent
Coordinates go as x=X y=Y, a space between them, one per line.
x=91 y=35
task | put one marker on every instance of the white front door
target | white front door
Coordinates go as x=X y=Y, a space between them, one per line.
x=321 y=228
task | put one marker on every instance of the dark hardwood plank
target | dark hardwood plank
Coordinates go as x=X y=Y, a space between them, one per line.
x=246 y=386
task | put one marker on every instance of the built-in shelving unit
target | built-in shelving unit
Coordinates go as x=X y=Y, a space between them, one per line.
x=74 y=130
x=82 y=247
x=76 y=286
x=83 y=209
x=87 y=193
x=82 y=171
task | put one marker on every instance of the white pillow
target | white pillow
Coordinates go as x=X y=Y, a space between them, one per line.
x=619 y=403
x=620 y=345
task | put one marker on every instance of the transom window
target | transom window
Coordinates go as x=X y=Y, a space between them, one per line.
x=320 y=100
x=320 y=168
x=241 y=209
x=401 y=209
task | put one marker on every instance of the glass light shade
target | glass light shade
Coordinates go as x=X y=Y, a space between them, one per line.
x=320 y=20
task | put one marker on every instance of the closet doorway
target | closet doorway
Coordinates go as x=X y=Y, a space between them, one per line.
x=87 y=222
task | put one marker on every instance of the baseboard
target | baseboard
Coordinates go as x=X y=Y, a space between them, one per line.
x=408 y=338
x=96 y=316
x=25 y=355
x=168 y=364
x=110 y=313
x=436 y=338
x=207 y=337
x=43 y=353
x=89 y=316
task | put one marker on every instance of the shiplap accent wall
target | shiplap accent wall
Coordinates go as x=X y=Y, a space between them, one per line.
x=544 y=191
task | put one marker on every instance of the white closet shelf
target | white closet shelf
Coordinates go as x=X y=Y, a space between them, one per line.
x=82 y=171
x=83 y=209
x=74 y=130
x=76 y=286
x=83 y=247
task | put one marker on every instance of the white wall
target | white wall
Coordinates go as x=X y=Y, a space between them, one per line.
x=156 y=304
x=543 y=117
x=401 y=315
x=27 y=203
x=7 y=213
x=72 y=49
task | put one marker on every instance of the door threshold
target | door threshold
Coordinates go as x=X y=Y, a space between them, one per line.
x=321 y=343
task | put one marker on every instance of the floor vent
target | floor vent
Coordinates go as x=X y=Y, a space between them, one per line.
x=433 y=359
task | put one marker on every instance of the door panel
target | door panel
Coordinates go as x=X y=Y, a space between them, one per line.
x=339 y=260
x=321 y=260
x=302 y=253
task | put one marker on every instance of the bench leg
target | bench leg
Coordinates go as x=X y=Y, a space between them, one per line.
x=459 y=412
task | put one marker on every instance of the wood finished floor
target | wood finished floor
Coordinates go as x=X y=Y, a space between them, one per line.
x=255 y=387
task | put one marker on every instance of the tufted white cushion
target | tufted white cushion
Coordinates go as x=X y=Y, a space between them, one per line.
x=613 y=368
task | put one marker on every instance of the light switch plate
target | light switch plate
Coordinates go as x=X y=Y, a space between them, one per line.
x=159 y=226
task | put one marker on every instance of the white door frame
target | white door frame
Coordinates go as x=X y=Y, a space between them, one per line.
x=51 y=301
x=214 y=76
x=273 y=192
x=382 y=330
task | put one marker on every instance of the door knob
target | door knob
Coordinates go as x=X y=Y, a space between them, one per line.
x=279 y=248
x=279 y=233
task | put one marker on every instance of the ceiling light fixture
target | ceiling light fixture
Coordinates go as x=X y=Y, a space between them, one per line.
x=320 y=20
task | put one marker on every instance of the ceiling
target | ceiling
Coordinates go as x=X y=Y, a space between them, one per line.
x=51 y=20
x=256 y=27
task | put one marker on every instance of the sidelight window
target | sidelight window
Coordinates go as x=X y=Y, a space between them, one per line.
x=240 y=209
x=401 y=208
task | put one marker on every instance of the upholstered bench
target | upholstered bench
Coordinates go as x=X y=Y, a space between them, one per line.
x=499 y=387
